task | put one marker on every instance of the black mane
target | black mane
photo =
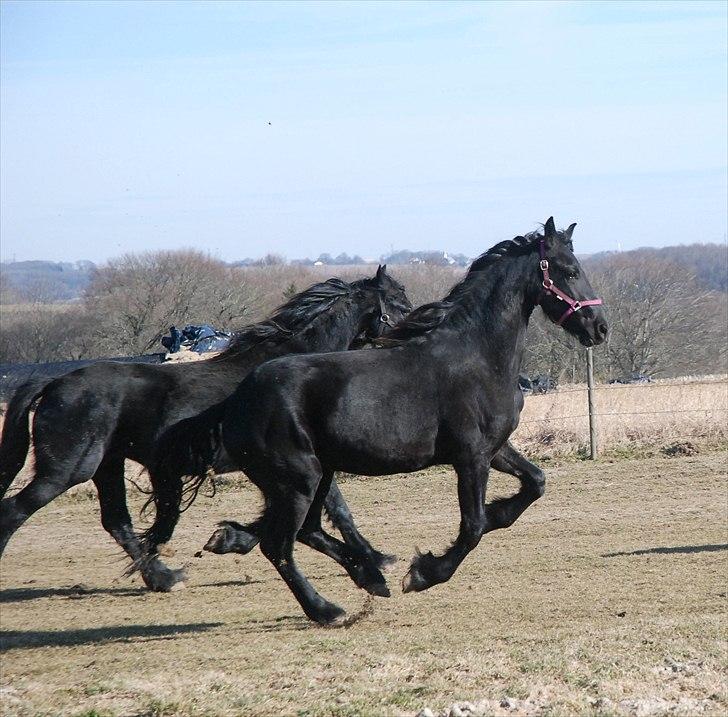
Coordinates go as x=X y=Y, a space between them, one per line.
x=429 y=316
x=290 y=318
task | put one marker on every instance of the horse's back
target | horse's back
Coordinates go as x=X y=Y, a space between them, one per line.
x=360 y=411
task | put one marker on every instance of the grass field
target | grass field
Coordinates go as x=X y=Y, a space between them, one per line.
x=607 y=597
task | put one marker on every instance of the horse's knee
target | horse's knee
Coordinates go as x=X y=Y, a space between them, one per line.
x=538 y=482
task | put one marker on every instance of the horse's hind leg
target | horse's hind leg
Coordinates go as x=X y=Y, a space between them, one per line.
x=362 y=570
x=337 y=509
x=232 y=537
x=49 y=482
x=109 y=481
x=502 y=513
x=285 y=513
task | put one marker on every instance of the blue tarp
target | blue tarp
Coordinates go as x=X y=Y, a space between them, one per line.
x=200 y=339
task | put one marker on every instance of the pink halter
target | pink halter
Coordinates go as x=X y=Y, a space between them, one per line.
x=549 y=287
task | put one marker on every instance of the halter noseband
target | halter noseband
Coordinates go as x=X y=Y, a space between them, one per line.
x=549 y=287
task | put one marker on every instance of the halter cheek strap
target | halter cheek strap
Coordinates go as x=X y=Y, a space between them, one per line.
x=549 y=288
x=384 y=317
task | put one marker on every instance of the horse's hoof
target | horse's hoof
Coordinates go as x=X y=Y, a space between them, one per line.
x=181 y=585
x=379 y=590
x=340 y=621
x=165 y=580
x=331 y=616
x=217 y=543
x=413 y=582
x=228 y=539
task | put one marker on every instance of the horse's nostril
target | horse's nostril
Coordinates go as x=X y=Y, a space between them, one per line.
x=602 y=329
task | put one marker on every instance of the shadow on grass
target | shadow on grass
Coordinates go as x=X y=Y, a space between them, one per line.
x=76 y=591
x=23 y=639
x=228 y=584
x=283 y=623
x=711 y=548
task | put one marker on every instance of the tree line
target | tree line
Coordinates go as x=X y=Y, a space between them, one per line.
x=668 y=310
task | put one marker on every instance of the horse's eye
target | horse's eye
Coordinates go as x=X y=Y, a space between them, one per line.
x=572 y=275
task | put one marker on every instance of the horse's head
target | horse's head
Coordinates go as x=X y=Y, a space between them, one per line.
x=567 y=297
x=388 y=304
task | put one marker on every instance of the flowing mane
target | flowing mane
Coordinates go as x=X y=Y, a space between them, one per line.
x=429 y=316
x=290 y=318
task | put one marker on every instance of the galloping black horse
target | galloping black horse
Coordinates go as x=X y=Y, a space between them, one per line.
x=87 y=422
x=445 y=392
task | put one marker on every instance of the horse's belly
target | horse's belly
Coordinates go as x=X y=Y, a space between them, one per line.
x=376 y=464
x=379 y=445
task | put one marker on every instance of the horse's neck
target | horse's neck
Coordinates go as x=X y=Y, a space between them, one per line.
x=501 y=308
x=331 y=331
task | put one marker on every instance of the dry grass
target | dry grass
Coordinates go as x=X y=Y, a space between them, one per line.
x=607 y=597
x=630 y=417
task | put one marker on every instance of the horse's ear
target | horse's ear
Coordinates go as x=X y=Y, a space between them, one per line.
x=570 y=231
x=381 y=273
x=549 y=232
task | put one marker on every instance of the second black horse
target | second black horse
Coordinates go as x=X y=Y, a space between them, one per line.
x=88 y=422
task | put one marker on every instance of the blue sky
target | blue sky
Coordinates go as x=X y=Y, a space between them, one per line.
x=301 y=128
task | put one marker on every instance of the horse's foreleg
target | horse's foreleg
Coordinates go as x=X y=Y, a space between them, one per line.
x=426 y=569
x=167 y=499
x=504 y=512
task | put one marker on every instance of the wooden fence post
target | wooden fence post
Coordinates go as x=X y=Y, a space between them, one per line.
x=593 y=444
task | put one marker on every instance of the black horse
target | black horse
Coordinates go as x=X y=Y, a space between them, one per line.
x=445 y=392
x=87 y=422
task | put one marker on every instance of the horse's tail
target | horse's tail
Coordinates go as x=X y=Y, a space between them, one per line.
x=184 y=457
x=15 y=440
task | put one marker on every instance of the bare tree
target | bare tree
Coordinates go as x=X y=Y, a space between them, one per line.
x=426 y=282
x=36 y=333
x=551 y=351
x=661 y=321
x=134 y=299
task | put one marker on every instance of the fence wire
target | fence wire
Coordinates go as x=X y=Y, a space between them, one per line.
x=613 y=386
x=625 y=413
